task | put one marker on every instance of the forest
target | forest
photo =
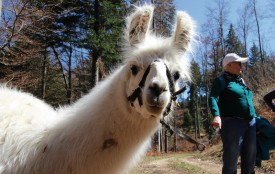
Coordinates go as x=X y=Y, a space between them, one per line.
x=60 y=49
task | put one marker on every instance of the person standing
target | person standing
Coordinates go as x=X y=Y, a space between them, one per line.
x=231 y=105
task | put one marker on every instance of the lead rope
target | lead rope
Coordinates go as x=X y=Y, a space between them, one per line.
x=200 y=146
x=173 y=98
x=172 y=89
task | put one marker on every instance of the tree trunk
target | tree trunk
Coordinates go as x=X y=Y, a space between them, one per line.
x=160 y=140
x=69 y=90
x=259 y=36
x=0 y=9
x=44 y=74
x=175 y=135
x=61 y=68
x=198 y=123
x=166 y=140
x=95 y=49
x=258 y=31
x=94 y=70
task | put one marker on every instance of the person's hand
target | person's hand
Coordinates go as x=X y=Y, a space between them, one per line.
x=217 y=123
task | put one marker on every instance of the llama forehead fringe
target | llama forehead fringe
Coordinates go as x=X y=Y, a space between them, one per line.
x=108 y=130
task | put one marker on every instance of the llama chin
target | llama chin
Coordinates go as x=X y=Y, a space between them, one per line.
x=108 y=130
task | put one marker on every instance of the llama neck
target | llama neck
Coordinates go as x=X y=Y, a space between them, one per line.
x=102 y=124
x=106 y=109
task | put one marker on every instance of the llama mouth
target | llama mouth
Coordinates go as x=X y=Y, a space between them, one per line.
x=154 y=109
x=155 y=106
x=157 y=102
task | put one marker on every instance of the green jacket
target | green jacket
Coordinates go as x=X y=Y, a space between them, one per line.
x=231 y=99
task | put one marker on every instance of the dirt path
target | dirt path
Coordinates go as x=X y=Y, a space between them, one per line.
x=177 y=164
x=180 y=164
x=205 y=166
x=158 y=167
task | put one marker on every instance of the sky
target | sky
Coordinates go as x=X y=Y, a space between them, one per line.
x=197 y=9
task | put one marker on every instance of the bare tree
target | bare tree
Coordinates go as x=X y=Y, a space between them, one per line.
x=219 y=15
x=65 y=68
x=271 y=9
x=44 y=74
x=28 y=30
x=244 y=24
x=204 y=52
x=258 y=30
x=0 y=8
x=214 y=29
x=17 y=48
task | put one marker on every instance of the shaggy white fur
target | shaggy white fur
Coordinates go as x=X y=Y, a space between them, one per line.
x=101 y=133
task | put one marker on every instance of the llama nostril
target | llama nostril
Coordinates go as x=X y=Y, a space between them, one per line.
x=156 y=89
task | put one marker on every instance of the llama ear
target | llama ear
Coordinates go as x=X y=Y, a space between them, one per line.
x=138 y=24
x=184 y=31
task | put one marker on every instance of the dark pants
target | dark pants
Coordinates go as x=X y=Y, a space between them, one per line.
x=239 y=138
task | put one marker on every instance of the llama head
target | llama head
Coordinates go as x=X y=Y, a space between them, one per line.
x=155 y=64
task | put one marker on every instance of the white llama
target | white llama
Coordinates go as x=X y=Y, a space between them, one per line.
x=109 y=129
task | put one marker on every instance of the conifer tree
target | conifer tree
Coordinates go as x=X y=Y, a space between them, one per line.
x=232 y=43
x=164 y=16
x=254 y=56
x=194 y=98
x=103 y=24
x=188 y=120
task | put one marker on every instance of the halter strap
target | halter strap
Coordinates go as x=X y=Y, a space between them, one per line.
x=137 y=91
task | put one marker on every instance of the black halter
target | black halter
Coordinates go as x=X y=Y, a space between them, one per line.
x=137 y=91
x=137 y=94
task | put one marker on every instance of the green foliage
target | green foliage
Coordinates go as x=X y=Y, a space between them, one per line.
x=164 y=13
x=254 y=56
x=193 y=104
x=188 y=120
x=164 y=16
x=194 y=87
x=103 y=28
x=102 y=31
x=55 y=90
x=232 y=43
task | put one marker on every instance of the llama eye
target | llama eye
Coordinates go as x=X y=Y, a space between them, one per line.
x=176 y=75
x=134 y=70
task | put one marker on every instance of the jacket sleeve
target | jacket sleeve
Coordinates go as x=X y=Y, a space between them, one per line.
x=217 y=87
